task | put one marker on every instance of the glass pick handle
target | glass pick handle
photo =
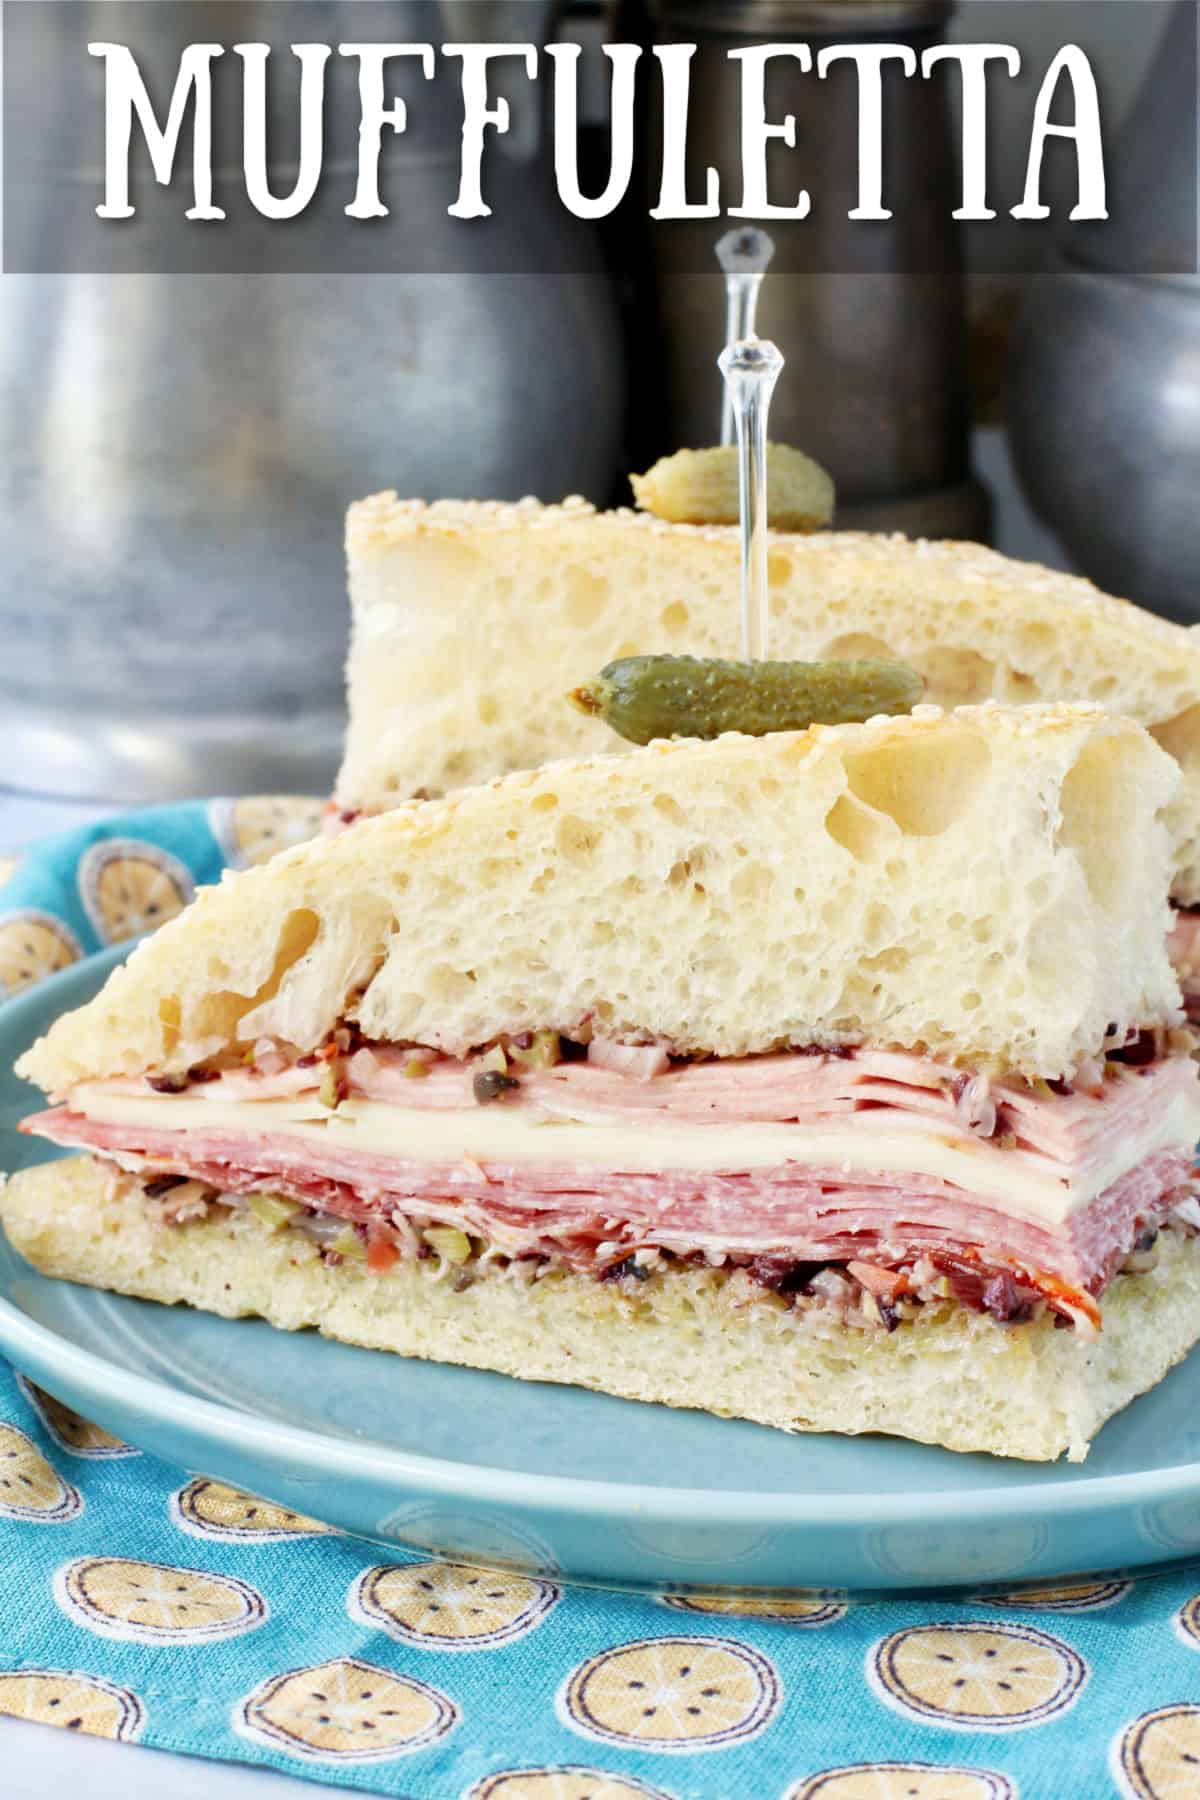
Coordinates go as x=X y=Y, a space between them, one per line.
x=751 y=369
x=745 y=256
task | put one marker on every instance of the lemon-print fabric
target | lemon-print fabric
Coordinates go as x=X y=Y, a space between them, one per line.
x=103 y=884
x=160 y=1606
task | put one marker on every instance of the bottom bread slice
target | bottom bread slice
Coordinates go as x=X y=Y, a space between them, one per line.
x=694 y=1337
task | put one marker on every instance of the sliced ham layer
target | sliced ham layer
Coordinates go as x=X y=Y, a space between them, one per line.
x=818 y=1216
x=590 y=1216
x=596 y=1217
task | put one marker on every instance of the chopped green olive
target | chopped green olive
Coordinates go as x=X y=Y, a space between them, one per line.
x=450 y=1243
x=331 y=1090
x=272 y=1209
x=348 y=1243
x=543 y=1053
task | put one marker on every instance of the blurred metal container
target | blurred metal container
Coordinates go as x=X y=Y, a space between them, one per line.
x=1105 y=422
x=176 y=455
x=1104 y=401
x=873 y=326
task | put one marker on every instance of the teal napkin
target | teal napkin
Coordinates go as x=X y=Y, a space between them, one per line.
x=145 y=1603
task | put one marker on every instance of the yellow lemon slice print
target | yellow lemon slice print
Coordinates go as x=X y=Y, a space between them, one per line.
x=30 y=1487
x=209 y=1509
x=32 y=946
x=345 y=1711
x=448 y=1606
x=903 y=1781
x=468 y=1537
x=73 y=1702
x=696 y=1546
x=1071 y=1597
x=1157 y=1757
x=70 y=1431
x=128 y=887
x=156 y=1603
x=672 y=1694
x=1187 y=1623
x=956 y=1555
x=1175 y=1524
x=255 y=829
x=976 y=1677
x=564 y=1782
x=8 y=867
x=819 y=1609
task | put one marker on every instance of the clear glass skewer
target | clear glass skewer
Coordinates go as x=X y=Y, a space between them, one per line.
x=751 y=369
x=745 y=256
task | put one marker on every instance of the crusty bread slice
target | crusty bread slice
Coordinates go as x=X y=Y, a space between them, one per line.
x=698 y=1337
x=471 y=619
x=989 y=885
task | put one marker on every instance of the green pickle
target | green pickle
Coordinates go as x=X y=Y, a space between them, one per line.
x=647 y=697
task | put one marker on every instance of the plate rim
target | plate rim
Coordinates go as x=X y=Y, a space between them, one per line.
x=102 y=1380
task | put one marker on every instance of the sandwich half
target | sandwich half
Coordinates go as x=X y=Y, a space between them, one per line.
x=467 y=614
x=834 y=1080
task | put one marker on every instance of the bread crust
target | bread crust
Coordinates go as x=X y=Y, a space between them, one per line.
x=695 y=1338
x=472 y=617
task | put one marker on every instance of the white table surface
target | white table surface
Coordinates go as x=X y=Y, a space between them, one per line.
x=39 y=1761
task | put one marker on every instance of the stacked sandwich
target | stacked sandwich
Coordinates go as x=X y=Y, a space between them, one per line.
x=467 y=615
x=830 y=1079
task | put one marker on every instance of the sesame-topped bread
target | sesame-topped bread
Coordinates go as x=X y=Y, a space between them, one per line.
x=988 y=885
x=472 y=619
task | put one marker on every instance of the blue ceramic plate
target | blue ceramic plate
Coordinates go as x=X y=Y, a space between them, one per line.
x=540 y=1477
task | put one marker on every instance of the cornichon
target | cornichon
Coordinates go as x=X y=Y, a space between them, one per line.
x=700 y=487
x=647 y=697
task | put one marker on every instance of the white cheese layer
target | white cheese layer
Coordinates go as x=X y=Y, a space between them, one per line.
x=887 y=1142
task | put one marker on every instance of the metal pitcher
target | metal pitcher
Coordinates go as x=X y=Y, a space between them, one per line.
x=176 y=456
x=1104 y=398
